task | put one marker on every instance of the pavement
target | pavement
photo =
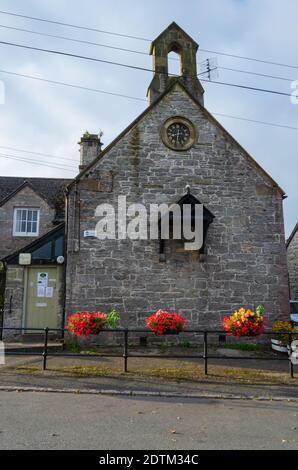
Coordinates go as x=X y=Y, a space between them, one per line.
x=17 y=374
x=35 y=420
x=255 y=407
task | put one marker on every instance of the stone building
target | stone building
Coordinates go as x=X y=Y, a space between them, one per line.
x=31 y=239
x=45 y=198
x=176 y=149
x=292 y=255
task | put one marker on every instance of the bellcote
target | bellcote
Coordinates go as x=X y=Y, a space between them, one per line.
x=174 y=39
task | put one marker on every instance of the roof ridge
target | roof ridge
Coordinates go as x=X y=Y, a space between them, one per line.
x=292 y=235
x=49 y=189
x=168 y=28
x=34 y=178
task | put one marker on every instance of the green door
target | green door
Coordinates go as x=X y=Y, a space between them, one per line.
x=42 y=305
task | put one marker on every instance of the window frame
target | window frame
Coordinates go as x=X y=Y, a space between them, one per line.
x=15 y=233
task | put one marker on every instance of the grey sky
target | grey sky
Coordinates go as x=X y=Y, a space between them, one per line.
x=50 y=119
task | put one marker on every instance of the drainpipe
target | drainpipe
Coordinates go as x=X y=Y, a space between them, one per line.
x=65 y=263
x=3 y=286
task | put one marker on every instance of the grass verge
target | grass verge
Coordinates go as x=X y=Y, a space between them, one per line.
x=187 y=373
x=243 y=346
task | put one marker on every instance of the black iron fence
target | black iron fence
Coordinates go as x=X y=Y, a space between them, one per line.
x=205 y=356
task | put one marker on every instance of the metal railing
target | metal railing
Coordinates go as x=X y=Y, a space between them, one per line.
x=45 y=353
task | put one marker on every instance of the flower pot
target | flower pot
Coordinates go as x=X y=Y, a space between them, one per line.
x=172 y=332
x=85 y=341
x=169 y=323
x=279 y=346
x=169 y=332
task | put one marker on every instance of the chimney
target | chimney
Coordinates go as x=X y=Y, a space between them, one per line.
x=90 y=148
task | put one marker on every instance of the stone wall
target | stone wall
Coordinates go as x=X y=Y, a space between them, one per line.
x=26 y=197
x=14 y=299
x=245 y=251
x=292 y=254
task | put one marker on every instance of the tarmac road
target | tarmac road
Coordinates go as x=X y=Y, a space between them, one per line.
x=42 y=420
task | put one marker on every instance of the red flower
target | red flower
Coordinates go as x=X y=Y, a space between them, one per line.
x=85 y=323
x=244 y=323
x=163 y=322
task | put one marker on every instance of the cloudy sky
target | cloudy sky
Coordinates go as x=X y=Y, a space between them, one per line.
x=49 y=119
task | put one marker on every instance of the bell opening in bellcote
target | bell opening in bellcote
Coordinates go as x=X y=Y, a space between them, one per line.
x=174 y=64
x=174 y=40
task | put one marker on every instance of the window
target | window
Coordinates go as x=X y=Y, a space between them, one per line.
x=43 y=252
x=26 y=222
x=59 y=247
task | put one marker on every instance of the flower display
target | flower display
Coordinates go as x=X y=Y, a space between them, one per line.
x=245 y=322
x=284 y=327
x=163 y=322
x=86 y=323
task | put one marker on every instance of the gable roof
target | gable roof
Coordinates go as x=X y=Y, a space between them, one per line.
x=173 y=82
x=176 y=27
x=49 y=189
x=54 y=232
x=295 y=229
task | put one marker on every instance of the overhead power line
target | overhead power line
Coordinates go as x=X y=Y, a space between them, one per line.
x=122 y=49
x=77 y=56
x=86 y=28
x=248 y=72
x=253 y=59
x=35 y=162
x=59 y=158
x=95 y=59
x=81 y=41
x=71 y=85
x=246 y=87
x=240 y=118
x=37 y=153
x=127 y=97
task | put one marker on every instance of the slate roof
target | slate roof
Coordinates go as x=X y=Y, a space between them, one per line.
x=50 y=189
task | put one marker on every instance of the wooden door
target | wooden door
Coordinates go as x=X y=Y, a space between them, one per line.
x=42 y=296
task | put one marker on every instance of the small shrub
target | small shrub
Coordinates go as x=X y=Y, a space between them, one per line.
x=242 y=346
x=113 y=318
x=284 y=326
x=163 y=348
x=185 y=344
x=74 y=347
